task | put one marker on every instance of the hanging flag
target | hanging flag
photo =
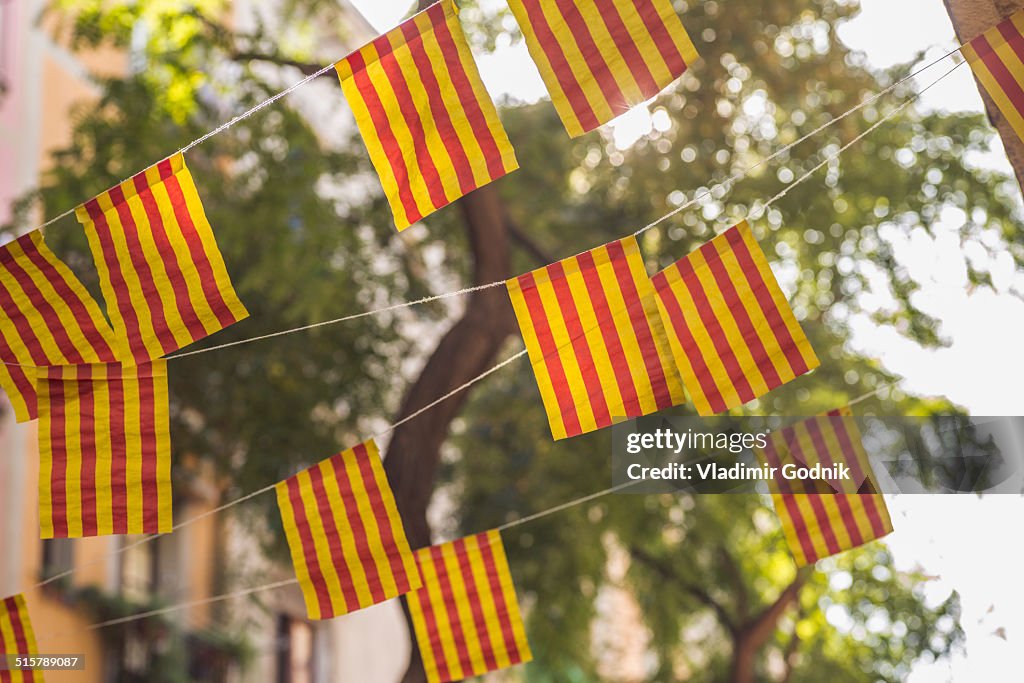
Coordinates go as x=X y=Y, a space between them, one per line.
x=346 y=538
x=48 y=319
x=595 y=339
x=466 y=616
x=161 y=272
x=997 y=59
x=822 y=518
x=600 y=59
x=431 y=128
x=104 y=450
x=733 y=335
x=17 y=638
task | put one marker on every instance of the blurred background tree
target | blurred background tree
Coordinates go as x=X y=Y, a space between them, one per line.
x=307 y=236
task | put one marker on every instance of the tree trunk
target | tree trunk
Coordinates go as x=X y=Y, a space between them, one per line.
x=971 y=18
x=469 y=348
x=751 y=636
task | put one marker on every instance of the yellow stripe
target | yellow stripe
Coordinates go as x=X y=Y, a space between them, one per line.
x=641 y=379
x=14 y=395
x=643 y=40
x=567 y=355
x=811 y=523
x=320 y=544
x=45 y=454
x=133 y=431
x=291 y=532
x=209 y=243
x=26 y=625
x=349 y=553
x=73 y=443
x=789 y=530
x=836 y=522
x=1009 y=58
x=593 y=18
x=419 y=624
x=772 y=286
x=675 y=28
x=488 y=602
x=10 y=645
x=33 y=316
x=365 y=507
x=460 y=597
x=540 y=370
x=165 y=518
x=104 y=459
x=446 y=634
x=682 y=362
x=505 y=579
x=395 y=519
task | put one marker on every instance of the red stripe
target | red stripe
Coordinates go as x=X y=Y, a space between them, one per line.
x=117 y=281
x=24 y=329
x=842 y=502
x=86 y=323
x=211 y=287
x=501 y=607
x=1002 y=74
x=662 y=37
x=430 y=619
x=118 y=450
x=560 y=66
x=823 y=523
x=59 y=465
x=163 y=247
x=580 y=345
x=42 y=306
x=25 y=387
x=380 y=512
x=868 y=501
x=566 y=406
x=448 y=596
x=759 y=286
x=629 y=51
x=602 y=310
x=330 y=524
x=688 y=343
x=323 y=595
x=641 y=326
x=579 y=32
x=789 y=500
x=439 y=114
x=407 y=106
x=1013 y=37
x=467 y=97
x=148 y=438
x=87 y=430
x=20 y=639
x=479 y=622
x=360 y=537
x=715 y=331
x=388 y=142
x=147 y=282
x=752 y=339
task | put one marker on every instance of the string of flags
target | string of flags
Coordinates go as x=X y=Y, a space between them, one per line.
x=605 y=340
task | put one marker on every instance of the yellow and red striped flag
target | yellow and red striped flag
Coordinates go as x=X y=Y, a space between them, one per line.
x=599 y=59
x=17 y=638
x=48 y=319
x=732 y=332
x=997 y=59
x=595 y=339
x=823 y=518
x=346 y=538
x=161 y=273
x=466 y=615
x=104 y=450
x=431 y=128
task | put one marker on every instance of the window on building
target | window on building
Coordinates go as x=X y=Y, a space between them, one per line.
x=58 y=556
x=295 y=650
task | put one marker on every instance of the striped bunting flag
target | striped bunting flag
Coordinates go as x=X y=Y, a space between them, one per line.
x=598 y=59
x=17 y=638
x=595 y=339
x=161 y=273
x=821 y=518
x=997 y=59
x=346 y=538
x=466 y=616
x=431 y=128
x=48 y=319
x=104 y=450
x=733 y=335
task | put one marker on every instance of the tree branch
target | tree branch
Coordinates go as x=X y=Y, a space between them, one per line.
x=307 y=68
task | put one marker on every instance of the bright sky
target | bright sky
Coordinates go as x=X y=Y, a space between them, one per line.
x=956 y=540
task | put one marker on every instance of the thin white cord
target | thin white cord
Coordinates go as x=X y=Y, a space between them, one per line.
x=265 y=489
x=566 y=506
